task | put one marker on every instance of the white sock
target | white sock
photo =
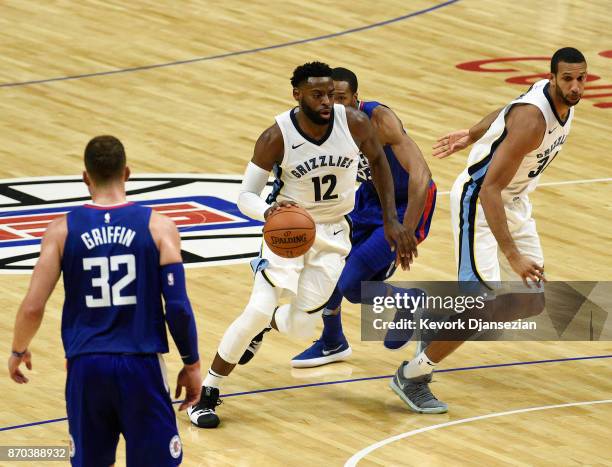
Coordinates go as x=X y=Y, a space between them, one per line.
x=419 y=366
x=212 y=379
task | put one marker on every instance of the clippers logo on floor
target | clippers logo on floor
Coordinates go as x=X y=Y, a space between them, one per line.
x=213 y=230
x=601 y=93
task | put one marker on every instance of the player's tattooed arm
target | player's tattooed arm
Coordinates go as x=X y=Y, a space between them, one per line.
x=525 y=126
x=390 y=131
x=461 y=139
x=44 y=278
x=366 y=139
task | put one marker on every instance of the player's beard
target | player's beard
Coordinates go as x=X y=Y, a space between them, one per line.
x=312 y=114
x=564 y=98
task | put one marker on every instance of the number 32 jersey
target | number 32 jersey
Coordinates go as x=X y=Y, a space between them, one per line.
x=318 y=175
x=112 y=283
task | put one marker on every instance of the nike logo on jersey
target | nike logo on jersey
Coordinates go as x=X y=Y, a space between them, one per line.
x=550 y=131
x=295 y=146
x=336 y=233
x=327 y=352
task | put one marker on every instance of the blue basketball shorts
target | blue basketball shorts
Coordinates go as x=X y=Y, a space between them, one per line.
x=112 y=394
x=370 y=247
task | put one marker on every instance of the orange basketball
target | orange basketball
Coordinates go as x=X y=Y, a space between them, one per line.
x=289 y=231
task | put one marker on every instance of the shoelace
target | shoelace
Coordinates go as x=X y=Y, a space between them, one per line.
x=212 y=410
x=422 y=393
x=204 y=405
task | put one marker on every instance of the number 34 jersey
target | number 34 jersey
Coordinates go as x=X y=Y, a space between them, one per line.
x=318 y=175
x=112 y=283
x=526 y=178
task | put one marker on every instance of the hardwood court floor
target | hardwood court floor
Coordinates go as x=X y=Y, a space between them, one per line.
x=203 y=116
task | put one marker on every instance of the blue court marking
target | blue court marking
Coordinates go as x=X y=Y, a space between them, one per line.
x=355 y=380
x=448 y=370
x=236 y=53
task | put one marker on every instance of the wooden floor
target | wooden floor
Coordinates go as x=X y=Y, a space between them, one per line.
x=203 y=116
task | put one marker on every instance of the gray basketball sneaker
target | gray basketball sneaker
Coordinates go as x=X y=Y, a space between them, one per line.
x=415 y=392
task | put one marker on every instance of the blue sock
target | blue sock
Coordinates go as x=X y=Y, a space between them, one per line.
x=332 y=329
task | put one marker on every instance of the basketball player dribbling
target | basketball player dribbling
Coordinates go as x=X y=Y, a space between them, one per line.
x=313 y=150
x=371 y=258
x=117 y=259
x=495 y=235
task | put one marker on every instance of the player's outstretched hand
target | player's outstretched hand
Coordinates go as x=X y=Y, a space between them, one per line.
x=527 y=269
x=400 y=241
x=280 y=204
x=190 y=378
x=13 y=367
x=452 y=142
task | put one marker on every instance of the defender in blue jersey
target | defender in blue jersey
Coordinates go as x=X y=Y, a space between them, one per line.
x=371 y=258
x=117 y=259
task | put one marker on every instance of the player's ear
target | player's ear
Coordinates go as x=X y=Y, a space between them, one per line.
x=86 y=180
x=126 y=174
x=551 y=78
x=296 y=94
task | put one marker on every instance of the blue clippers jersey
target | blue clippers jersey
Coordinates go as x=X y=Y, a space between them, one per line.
x=367 y=205
x=112 y=284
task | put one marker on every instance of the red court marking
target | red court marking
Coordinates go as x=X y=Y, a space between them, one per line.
x=34 y=225
x=200 y=216
x=184 y=214
x=526 y=80
x=477 y=65
x=31 y=218
x=4 y=235
x=174 y=207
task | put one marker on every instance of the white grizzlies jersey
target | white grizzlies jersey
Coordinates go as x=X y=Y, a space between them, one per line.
x=318 y=175
x=526 y=178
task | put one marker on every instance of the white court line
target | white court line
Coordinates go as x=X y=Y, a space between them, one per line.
x=364 y=452
x=566 y=182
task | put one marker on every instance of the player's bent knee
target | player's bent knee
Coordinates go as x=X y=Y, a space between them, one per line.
x=352 y=294
x=238 y=336
x=264 y=297
x=350 y=289
x=297 y=324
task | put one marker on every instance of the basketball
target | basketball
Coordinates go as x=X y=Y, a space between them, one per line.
x=289 y=231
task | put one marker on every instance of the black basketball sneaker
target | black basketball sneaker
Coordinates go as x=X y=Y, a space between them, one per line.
x=203 y=413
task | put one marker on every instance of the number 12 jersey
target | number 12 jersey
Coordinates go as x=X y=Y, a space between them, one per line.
x=318 y=175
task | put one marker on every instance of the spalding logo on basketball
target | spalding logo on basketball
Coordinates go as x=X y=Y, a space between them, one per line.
x=213 y=230
x=289 y=231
